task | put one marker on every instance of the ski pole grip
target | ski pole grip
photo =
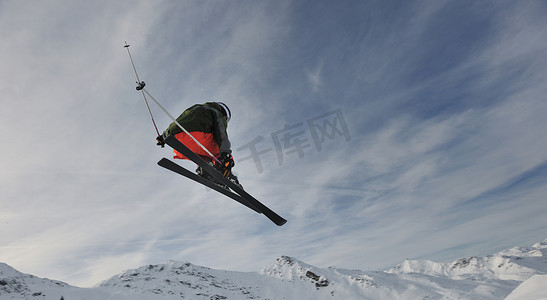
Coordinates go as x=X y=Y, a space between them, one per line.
x=140 y=86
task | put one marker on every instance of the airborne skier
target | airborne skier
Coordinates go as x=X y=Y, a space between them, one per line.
x=206 y=143
x=207 y=123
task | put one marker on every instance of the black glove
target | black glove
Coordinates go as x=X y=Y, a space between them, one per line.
x=226 y=163
x=160 y=141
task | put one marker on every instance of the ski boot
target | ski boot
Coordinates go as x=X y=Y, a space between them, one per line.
x=201 y=173
x=234 y=179
x=224 y=166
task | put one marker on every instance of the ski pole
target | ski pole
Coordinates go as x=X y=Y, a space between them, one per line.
x=140 y=87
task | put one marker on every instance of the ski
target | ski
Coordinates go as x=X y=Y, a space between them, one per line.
x=180 y=147
x=172 y=166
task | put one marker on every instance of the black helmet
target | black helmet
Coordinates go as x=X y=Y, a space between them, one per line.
x=227 y=112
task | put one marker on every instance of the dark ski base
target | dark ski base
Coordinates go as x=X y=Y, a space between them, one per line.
x=164 y=162
x=177 y=145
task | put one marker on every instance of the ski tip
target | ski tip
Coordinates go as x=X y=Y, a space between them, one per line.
x=281 y=222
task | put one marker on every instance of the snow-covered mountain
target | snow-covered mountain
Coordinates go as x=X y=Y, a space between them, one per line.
x=517 y=273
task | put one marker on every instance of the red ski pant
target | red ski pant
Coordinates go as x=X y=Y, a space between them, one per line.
x=206 y=139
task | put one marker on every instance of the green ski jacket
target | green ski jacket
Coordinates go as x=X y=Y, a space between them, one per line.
x=206 y=118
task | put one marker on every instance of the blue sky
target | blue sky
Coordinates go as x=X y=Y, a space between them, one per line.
x=438 y=150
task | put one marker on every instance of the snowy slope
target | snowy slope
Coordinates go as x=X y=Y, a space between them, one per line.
x=535 y=288
x=517 y=272
x=16 y=285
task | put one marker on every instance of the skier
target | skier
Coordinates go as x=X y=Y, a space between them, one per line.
x=206 y=123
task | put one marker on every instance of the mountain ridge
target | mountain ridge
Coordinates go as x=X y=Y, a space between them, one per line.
x=488 y=277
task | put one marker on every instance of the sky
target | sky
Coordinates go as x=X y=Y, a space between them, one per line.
x=381 y=130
